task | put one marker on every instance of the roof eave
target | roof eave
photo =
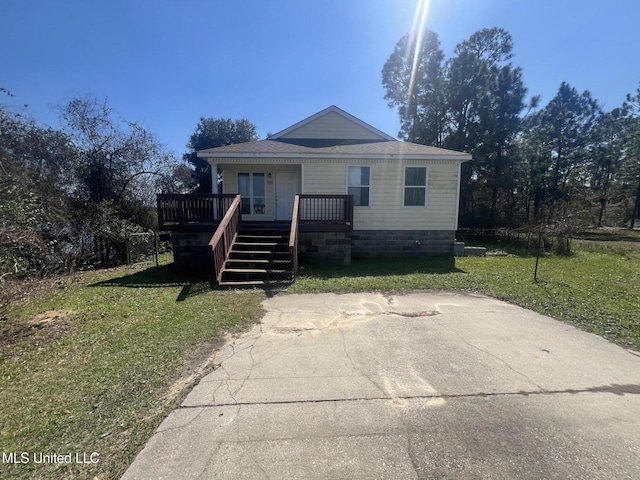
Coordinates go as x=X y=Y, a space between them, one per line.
x=463 y=157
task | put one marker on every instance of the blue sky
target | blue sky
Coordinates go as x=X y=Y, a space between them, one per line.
x=275 y=62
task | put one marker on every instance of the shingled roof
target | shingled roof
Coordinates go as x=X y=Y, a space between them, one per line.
x=275 y=148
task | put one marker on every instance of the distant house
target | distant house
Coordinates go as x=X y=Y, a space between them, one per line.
x=359 y=191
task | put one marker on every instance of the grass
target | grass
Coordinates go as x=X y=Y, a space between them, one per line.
x=596 y=288
x=610 y=239
x=97 y=363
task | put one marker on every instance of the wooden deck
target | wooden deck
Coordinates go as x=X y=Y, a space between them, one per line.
x=203 y=212
x=249 y=254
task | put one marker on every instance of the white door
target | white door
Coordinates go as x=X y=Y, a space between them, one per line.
x=286 y=190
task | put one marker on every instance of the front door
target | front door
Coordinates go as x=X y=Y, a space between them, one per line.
x=286 y=190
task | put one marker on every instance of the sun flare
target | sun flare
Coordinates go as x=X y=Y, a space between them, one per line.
x=415 y=37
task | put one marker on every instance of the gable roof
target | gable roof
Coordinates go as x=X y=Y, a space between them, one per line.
x=331 y=133
x=332 y=123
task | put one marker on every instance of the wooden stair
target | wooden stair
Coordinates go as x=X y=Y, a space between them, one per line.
x=259 y=257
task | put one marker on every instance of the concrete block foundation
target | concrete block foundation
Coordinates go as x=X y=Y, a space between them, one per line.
x=401 y=243
x=324 y=248
x=191 y=251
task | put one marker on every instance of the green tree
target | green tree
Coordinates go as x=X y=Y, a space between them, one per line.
x=413 y=77
x=485 y=98
x=605 y=159
x=490 y=118
x=499 y=123
x=179 y=180
x=559 y=139
x=36 y=165
x=469 y=76
x=210 y=133
x=117 y=157
x=119 y=165
x=629 y=179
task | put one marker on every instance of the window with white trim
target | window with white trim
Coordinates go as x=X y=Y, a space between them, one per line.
x=252 y=188
x=415 y=186
x=359 y=185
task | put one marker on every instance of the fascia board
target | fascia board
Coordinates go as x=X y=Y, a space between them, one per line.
x=240 y=156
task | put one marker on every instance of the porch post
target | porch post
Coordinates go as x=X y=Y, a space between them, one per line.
x=214 y=179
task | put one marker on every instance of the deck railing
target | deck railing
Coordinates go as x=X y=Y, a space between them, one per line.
x=326 y=213
x=182 y=211
x=293 y=238
x=225 y=235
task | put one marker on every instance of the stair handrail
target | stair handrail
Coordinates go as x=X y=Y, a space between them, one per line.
x=225 y=235
x=293 y=237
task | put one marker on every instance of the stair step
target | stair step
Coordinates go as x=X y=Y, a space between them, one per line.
x=230 y=264
x=245 y=270
x=251 y=252
x=263 y=271
x=265 y=237
x=260 y=252
x=274 y=264
x=249 y=260
x=264 y=227
x=243 y=283
x=259 y=256
x=252 y=283
x=259 y=244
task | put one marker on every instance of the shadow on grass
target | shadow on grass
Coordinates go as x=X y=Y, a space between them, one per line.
x=382 y=267
x=192 y=283
x=608 y=236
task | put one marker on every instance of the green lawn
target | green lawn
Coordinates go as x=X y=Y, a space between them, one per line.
x=96 y=364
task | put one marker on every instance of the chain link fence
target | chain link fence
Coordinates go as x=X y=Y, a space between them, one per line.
x=142 y=247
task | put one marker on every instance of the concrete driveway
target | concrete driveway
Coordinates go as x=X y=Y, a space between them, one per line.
x=423 y=385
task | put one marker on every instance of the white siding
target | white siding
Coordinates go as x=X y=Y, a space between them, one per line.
x=385 y=210
x=332 y=125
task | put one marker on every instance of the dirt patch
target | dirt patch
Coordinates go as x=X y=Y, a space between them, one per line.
x=43 y=319
x=200 y=362
x=42 y=328
x=15 y=290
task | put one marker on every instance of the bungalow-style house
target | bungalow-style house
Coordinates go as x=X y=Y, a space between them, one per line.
x=323 y=190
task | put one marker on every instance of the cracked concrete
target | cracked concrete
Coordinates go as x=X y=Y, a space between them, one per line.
x=422 y=385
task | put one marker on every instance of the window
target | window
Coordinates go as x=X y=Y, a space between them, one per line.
x=259 y=193
x=415 y=186
x=252 y=188
x=358 y=185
